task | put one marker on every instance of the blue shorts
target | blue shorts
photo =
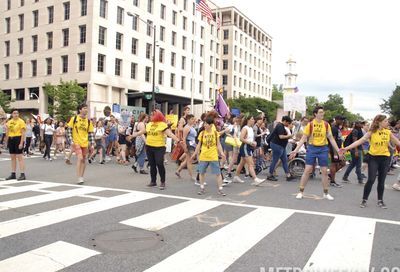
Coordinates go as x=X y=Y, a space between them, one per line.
x=246 y=150
x=203 y=165
x=319 y=153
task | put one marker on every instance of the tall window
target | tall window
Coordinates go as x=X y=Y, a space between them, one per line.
x=185 y=4
x=149 y=28
x=67 y=10
x=150 y=6
x=173 y=59
x=103 y=8
x=8 y=4
x=8 y=25
x=172 y=80
x=226 y=34
x=118 y=66
x=82 y=34
x=20 y=46
x=101 y=59
x=225 y=64
x=160 y=77
x=162 y=33
x=7 y=46
x=6 y=71
x=162 y=12
x=118 y=41
x=147 y=74
x=174 y=14
x=136 y=3
x=34 y=68
x=134 y=46
x=201 y=68
x=22 y=3
x=65 y=36
x=35 y=15
x=20 y=71
x=183 y=42
x=183 y=83
x=83 y=7
x=64 y=64
x=49 y=40
x=120 y=16
x=173 y=38
x=102 y=35
x=50 y=11
x=135 y=23
x=161 y=54
x=21 y=22
x=82 y=62
x=133 y=70
x=148 y=50
x=225 y=48
x=49 y=64
x=183 y=64
x=184 y=23
x=34 y=43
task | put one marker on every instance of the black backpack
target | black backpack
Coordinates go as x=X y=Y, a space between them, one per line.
x=349 y=139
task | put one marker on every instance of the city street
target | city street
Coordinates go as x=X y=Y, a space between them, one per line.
x=115 y=223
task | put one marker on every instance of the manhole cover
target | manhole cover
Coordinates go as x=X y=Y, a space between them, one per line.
x=126 y=241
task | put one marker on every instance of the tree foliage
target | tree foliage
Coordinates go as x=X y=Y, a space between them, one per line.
x=250 y=105
x=311 y=103
x=277 y=92
x=66 y=97
x=392 y=104
x=5 y=101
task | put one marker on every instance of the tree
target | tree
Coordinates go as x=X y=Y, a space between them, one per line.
x=334 y=106
x=277 y=93
x=66 y=97
x=5 y=101
x=250 y=105
x=392 y=105
x=311 y=103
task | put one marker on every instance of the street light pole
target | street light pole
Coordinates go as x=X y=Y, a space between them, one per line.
x=153 y=97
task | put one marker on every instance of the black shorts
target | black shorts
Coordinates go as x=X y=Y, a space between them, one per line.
x=13 y=145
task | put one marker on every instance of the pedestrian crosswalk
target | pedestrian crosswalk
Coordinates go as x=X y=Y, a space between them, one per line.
x=352 y=240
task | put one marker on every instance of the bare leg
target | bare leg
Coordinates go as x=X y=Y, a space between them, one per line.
x=13 y=163
x=305 y=177
x=21 y=163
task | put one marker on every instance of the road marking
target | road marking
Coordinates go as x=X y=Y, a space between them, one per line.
x=35 y=221
x=219 y=250
x=12 y=204
x=212 y=221
x=52 y=257
x=20 y=189
x=247 y=193
x=165 y=217
x=346 y=246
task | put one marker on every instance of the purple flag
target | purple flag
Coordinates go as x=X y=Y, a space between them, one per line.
x=221 y=106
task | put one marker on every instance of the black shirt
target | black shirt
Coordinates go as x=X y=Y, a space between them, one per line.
x=279 y=130
x=257 y=131
x=337 y=135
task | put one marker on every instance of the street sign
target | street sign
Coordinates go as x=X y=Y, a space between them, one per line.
x=148 y=96
x=156 y=89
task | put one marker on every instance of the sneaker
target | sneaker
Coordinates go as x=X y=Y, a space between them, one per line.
x=102 y=162
x=221 y=193
x=363 y=176
x=328 y=196
x=68 y=162
x=246 y=176
x=361 y=182
x=152 y=185
x=345 y=180
x=90 y=160
x=80 y=180
x=162 y=186
x=50 y=159
x=197 y=183
x=227 y=181
x=363 y=204
x=334 y=184
x=396 y=186
x=290 y=178
x=258 y=181
x=381 y=204
x=143 y=172
x=237 y=179
x=299 y=195
x=272 y=178
x=229 y=175
x=134 y=167
x=12 y=176
x=201 y=192
x=178 y=174
x=21 y=177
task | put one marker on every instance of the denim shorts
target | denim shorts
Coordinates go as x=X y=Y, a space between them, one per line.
x=203 y=165
x=319 y=153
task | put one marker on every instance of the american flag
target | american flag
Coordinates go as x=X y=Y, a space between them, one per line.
x=218 y=20
x=201 y=5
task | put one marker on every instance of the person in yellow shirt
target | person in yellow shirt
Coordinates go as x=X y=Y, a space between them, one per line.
x=209 y=146
x=156 y=130
x=80 y=135
x=15 y=135
x=316 y=134
x=378 y=156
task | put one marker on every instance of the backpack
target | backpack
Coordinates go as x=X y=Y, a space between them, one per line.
x=349 y=139
x=76 y=116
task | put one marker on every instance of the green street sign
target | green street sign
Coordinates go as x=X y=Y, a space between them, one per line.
x=148 y=96
x=156 y=89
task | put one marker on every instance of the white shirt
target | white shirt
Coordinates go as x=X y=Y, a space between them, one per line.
x=48 y=129
x=250 y=134
x=99 y=133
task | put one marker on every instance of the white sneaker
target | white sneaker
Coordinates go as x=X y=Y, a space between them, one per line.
x=237 y=179
x=299 y=195
x=80 y=180
x=258 y=181
x=396 y=186
x=227 y=181
x=328 y=196
x=197 y=183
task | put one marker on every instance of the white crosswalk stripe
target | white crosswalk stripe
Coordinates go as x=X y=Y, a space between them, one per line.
x=215 y=251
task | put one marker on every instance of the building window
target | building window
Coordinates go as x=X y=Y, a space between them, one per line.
x=8 y=25
x=8 y=4
x=162 y=33
x=118 y=65
x=50 y=11
x=21 y=22
x=120 y=16
x=65 y=37
x=173 y=38
x=184 y=23
x=101 y=60
x=82 y=34
x=7 y=46
x=200 y=87
x=161 y=55
x=174 y=14
x=64 y=64
x=135 y=23
x=226 y=34
x=19 y=94
x=183 y=42
x=173 y=59
x=160 y=77
x=183 y=83
x=33 y=91
x=134 y=46
x=22 y=3
x=67 y=10
x=201 y=50
x=216 y=63
x=103 y=8
x=20 y=70
x=148 y=50
x=183 y=65
x=6 y=71
x=34 y=43
x=172 y=81
x=133 y=70
x=49 y=40
x=35 y=14
x=83 y=7
x=150 y=6
x=149 y=28
x=162 y=11
x=82 y=62
x=201 y=69
x=102 y=35
x=20 y=46
x=226 y=49
x=211 y=77
x=225 y=64
x=136 y=3
x=147 y=74
x=118 y=41
x=224 y=80
x=49 y=64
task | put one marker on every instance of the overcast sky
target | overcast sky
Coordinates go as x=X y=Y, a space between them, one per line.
x=341 y=46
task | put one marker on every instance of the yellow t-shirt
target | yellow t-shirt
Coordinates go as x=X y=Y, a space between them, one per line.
x=155 y=134
x=379 y=143
x=319 y=133
x=209 y=150
x=15 y=127
x=80 y=131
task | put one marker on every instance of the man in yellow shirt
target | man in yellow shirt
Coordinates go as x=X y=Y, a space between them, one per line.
x=80 y=135
x=15 y=135
x=316 y=134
